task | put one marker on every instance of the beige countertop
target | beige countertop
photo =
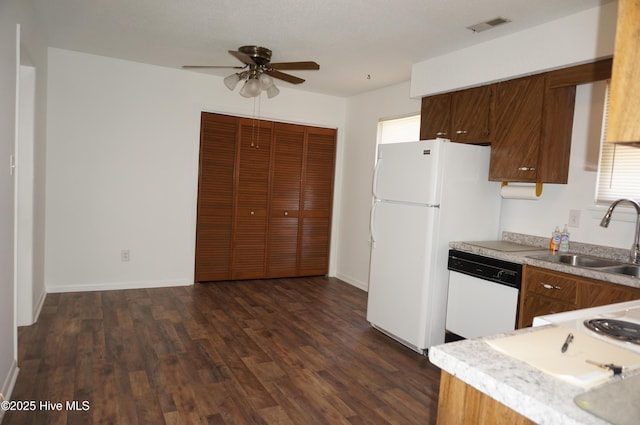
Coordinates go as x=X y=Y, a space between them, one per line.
x=534 y=394
x=539 y=247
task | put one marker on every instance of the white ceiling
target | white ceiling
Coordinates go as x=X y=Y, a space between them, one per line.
x=350 y=39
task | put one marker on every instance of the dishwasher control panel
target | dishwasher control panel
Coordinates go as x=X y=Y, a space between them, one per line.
x=487 y=268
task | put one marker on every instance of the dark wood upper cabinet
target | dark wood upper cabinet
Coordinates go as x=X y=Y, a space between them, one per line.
x=471 y=112
x=463 y=116
x=532 y=140
x=435 y=117
x=264 y=199
x=518 y=129
x=527 y=121
x=557 y=127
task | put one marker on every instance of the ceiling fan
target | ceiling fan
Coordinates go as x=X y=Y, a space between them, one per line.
x=259 y=72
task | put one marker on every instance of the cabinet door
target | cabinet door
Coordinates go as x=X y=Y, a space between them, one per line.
x=540 y=306
x=215 y=197
x=435 y=117
x=603 y=293
x=557 y=126
x=251 y=203
x=624 y=105
x=471 y=115
x=284 y=211
x=518 y=129
x=317 y=200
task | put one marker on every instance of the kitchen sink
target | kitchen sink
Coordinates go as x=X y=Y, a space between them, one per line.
x=578 y=260
x=594 y=263
x=626 y=269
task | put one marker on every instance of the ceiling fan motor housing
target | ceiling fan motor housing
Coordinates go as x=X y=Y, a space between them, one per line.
x=260 y=55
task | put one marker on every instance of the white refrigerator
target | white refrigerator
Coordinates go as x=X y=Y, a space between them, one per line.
x=426 y=194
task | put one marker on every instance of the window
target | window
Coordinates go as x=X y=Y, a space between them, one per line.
x=618 y=169
x=396 y=130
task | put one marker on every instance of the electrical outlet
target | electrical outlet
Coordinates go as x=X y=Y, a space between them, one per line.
x=125 y=255
x=574 y=218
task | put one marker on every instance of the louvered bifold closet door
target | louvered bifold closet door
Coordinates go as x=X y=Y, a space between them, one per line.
x=286 y=176
x=317 y=199
x=215 y=197
x=251 y=203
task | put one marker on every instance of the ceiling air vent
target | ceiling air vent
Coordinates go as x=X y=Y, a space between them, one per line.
x=492 y=23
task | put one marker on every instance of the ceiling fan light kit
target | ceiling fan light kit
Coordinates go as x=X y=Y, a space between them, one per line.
x=259 y=72
x=251 y=88
x=232 y=81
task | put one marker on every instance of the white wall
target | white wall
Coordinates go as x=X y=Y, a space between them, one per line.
x=363 y=113
x=577 y=38
x=122 y=165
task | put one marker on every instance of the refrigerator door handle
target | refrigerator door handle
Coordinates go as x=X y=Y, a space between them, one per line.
x=372 y=224
x=376 y=171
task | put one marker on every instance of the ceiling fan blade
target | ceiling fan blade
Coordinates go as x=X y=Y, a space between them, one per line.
x=285 y=77
x=210 y=66
x=242 y=57
x=306 y=65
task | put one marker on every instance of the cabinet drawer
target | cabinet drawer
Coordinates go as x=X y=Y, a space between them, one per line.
x=551 y=284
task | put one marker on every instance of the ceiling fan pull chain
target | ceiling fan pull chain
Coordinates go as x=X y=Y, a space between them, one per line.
x=253 y=124
x=254 y=104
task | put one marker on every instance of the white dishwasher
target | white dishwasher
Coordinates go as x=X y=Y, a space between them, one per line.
x=482 y=296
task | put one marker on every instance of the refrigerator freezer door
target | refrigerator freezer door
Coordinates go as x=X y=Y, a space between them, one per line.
x=400 y=262
x=406 y=172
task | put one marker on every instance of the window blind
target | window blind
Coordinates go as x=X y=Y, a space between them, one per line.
x=618 y=168
x=397 y=130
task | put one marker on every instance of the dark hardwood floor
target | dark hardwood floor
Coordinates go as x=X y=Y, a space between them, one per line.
x=287 y=351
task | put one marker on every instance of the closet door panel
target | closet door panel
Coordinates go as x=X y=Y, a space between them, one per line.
x=317 y=199
x=215 y=198
x=264 y=199
x=251 y=201
x=286 y=176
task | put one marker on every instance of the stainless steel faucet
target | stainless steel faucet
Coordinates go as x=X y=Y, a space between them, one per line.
x=634 y=253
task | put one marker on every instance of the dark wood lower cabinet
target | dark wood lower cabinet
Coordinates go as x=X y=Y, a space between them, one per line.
x=264 y=199
x=548 y=291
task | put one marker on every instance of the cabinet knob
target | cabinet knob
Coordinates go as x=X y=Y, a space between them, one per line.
x=286 y=213
x=253 y=213
x=441 y=133
x=548 y=286
x=526 y=168
x=461 y=132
